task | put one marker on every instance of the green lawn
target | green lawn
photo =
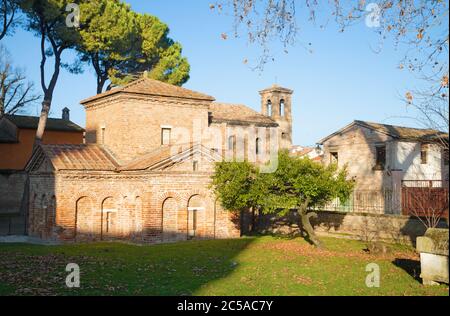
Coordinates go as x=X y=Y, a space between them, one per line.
x=247 y=266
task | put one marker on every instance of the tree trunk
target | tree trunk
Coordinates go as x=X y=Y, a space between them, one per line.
x=42 y=121
x=101 y=83
x=305 y=221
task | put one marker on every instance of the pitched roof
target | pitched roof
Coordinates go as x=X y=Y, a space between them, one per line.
x=77 y=157
x=238 y=114
x=276 y=88
x=8 y=131
x=146 y=86
x=168 y=155
x=304 y=151
x=398 y=132
x=53 y=124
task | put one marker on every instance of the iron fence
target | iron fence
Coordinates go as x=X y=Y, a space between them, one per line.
x=364 y=201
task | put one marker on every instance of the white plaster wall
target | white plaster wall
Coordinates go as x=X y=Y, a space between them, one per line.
x=407 y=158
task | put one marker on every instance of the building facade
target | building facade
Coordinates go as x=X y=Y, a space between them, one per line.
x=144 y=173
x=17 y=136
x=380 y=157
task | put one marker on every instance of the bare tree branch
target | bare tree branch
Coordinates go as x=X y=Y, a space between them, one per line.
x=417 y=27
x=15 y=92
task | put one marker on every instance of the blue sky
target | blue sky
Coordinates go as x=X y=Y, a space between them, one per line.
x=342 y=80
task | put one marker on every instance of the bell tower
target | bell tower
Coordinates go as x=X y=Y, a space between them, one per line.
x=276 y=102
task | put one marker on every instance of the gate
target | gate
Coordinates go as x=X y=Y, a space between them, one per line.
x=425 y=198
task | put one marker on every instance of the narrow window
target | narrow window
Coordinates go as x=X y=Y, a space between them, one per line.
x=282 y=108
x=231 y=142
x=108 y=222
x=103 y=135
x=445 y=156
x=165 y=136
x=195 y=165
x=258 y=146
x=194 y=220
x=269 y=108
x=334 y=157
x=423 y=154
x=380 y=157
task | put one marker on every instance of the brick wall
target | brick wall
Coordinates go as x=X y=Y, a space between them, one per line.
x=143 y=208
x=131 y=126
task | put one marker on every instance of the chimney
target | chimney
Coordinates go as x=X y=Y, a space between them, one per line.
x=66 y=114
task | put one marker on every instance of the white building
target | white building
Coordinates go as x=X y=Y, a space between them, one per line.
x=382 y=158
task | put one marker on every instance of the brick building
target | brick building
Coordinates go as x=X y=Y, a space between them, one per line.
x=17 y=134
x=145 y=170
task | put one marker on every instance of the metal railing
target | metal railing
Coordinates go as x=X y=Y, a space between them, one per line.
x=363 y=201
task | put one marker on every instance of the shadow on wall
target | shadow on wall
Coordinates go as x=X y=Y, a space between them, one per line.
x=13 y=202
x=289 y=225
x=368 y=228
x=139 y=218
x=372 y=227
x=81 y=205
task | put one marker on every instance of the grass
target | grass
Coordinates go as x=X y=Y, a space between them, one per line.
x=247 y=266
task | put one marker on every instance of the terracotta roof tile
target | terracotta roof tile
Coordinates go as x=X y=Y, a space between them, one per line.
x=165 y=154
x=79 y=157
x=148 y=160
x=238 y=113
x=148 y=86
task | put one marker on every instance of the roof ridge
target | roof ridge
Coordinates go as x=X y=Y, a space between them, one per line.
x=31 y=122
x=153 y=87
x=132 y=83
x=399 y=126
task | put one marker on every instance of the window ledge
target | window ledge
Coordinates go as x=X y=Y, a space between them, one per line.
x=378 y=168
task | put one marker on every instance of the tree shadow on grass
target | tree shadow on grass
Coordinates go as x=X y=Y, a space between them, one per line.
x=412 y=267
x=181 y=268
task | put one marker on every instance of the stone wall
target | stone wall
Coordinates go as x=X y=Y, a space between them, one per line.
x=356 y=149
x=13 y=203
x=362 y=226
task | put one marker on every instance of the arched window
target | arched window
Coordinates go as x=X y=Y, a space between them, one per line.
x=170 y=228
x=258 y=146
x=195 y=205
x=269 y=108
x=282 y=108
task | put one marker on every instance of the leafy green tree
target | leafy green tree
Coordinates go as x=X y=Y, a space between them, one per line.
x=121 y=45
x=298 y=184
x=107 y=30
x=47 y=19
